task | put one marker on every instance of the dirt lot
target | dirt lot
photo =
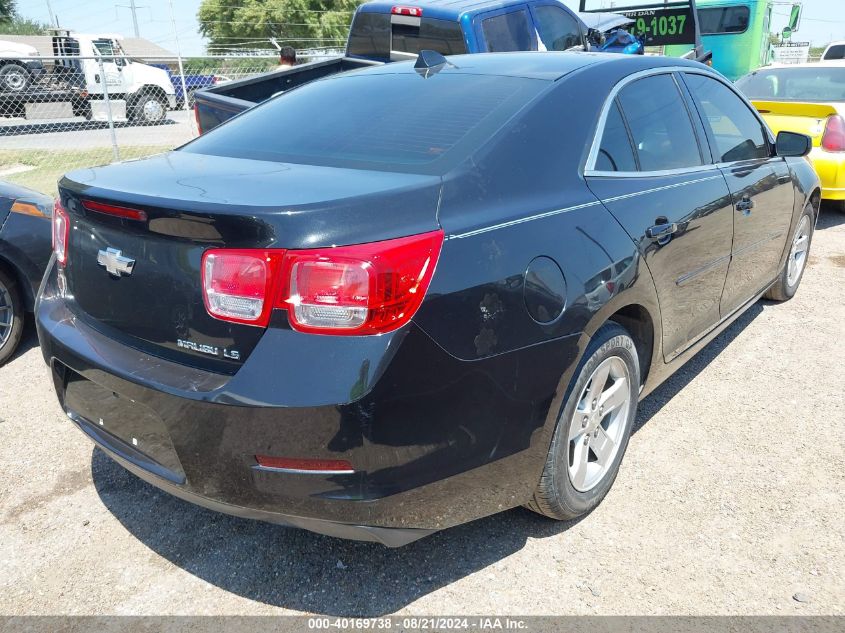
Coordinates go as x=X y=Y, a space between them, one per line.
x=730 y=500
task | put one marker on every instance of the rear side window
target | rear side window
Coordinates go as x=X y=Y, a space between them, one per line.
x=370 y=35
x=389 y=122
x=615 y=151
x=716 y=20
x=837 y=51
x=660 y=125
x=736 y=132
x=558 y=30
x=435 y=35
x=508 y=32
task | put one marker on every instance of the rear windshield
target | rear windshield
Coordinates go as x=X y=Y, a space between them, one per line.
x=381 y=36
x=817 y=84
x=393 y=122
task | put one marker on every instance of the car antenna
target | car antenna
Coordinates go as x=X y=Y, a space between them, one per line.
x=430 y=62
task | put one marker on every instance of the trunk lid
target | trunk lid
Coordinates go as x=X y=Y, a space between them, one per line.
x=194 y=202
x=793 y=116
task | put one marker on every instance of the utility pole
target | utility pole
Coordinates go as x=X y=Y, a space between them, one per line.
x=134 y=16
x=134 y=9
x=52 y=15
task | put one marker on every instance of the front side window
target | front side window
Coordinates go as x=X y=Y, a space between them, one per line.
x=660 y=125
x=717 y=20
x=558 y=30
x=508 y=32
x=737 y=133
x=615 y=151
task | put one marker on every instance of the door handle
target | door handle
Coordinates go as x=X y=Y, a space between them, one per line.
x=745 y=205
x=661 y=231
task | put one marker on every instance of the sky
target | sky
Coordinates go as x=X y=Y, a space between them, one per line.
x=823 y=20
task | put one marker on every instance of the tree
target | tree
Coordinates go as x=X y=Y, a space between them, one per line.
x=23 y=26
x=249 y=24
x=11 y=23
x=7 y=11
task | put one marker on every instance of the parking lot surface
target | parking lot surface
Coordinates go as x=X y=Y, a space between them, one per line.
x=729 y=501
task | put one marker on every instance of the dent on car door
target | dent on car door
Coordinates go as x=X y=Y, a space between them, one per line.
x=652 y=173
x=760 y=185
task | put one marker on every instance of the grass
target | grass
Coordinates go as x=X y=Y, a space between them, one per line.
x=49 y=165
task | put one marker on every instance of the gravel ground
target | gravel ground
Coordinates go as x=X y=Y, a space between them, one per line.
x=729 y=501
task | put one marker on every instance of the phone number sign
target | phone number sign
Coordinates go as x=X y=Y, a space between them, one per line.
x=661 y=27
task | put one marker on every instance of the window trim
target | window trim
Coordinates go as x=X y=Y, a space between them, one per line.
x=738 y=6
x=589 y=168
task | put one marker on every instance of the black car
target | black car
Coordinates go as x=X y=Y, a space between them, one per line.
x=399 y=299
x=24 y=254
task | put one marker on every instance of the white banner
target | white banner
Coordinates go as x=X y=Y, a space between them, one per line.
x=792 y=53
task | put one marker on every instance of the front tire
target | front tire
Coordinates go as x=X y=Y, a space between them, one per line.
x=796 y=262
x=14 y=78
x=592 y=429
x=149 y=110
x=11 y=317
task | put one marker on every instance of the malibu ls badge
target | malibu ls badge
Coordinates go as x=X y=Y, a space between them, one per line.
x=114 y=262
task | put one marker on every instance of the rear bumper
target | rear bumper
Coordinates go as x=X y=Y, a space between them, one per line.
x=434 y=441
x=830 y=166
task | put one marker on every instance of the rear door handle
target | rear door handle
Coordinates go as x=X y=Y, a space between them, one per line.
x=660 y=231
x=746 y=204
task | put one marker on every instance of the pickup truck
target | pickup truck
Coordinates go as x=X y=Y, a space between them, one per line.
x=383 y=32
x=193 y=82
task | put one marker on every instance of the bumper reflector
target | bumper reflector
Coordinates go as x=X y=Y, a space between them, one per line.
x=312 y=466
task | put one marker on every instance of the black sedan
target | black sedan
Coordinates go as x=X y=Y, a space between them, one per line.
x=24 y=254
x=400 y=299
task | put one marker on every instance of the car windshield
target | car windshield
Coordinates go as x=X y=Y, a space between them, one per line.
x=388 y=122
x=814 y=84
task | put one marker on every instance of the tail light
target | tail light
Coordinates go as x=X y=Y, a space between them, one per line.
x=362 y=289
x=833 y=139
x=236 y=284
x=61 y=231
x=197 y=118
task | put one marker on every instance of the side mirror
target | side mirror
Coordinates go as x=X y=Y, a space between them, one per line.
x=793 y=144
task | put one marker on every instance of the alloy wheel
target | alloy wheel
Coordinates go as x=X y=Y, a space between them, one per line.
x=798 y=252
x=596 y=427
x=7 y=315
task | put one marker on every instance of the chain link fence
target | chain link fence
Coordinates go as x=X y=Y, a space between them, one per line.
x=61 y=113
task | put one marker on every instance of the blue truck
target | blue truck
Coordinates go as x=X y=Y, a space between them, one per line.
x=383 y=32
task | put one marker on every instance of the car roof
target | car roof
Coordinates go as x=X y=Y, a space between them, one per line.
x=537 y=65
x=442 y=9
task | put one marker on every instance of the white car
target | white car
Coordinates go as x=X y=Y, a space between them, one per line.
x=19 y=66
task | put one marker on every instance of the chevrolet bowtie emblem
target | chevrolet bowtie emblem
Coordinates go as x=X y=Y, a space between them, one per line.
x=115 y=263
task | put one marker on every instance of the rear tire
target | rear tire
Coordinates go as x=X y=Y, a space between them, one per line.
x=592 y=429
x=796 y=262
x=14 y=78
x=11 y=316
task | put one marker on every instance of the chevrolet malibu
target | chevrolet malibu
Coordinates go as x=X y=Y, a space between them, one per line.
x=400 y=299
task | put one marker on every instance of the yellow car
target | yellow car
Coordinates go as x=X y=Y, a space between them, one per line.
x=807 y=98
